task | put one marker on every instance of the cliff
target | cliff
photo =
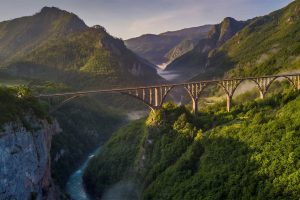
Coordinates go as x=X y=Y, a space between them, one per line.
x=25 y=159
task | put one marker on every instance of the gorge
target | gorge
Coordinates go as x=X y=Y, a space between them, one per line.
x=233 y=132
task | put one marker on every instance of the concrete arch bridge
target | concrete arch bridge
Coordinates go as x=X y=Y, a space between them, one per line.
x=154 y=96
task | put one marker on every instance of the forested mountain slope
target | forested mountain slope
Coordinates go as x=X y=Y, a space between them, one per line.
x=249 y=153
x=196 y=60
x=57 y=45
x=55 y=51
x=266 y=45
x=165 y=47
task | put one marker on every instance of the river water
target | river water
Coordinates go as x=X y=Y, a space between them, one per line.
x=74 y=185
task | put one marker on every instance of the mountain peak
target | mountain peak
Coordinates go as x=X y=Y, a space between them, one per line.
x=229 y=19
x=46 y=10
x=67 y=20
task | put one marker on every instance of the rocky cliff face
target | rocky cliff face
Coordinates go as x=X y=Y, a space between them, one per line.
x=25 y=160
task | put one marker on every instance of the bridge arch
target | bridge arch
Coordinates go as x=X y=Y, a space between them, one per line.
x=291 y=79
x=141 y=100
x=154 y=96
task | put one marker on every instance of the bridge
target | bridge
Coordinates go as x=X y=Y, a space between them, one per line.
x=154 y=96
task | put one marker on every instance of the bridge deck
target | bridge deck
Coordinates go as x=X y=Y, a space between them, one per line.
x=161 y=85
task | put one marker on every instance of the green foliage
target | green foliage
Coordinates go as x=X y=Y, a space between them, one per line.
x=249 y=153
x=63 y=49
x=86 y=123
x=110 y=166
x=266 y=45
x=16 y=102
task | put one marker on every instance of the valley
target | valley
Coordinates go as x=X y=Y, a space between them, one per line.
x=204 y=112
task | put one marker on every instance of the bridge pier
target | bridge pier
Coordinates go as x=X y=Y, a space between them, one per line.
x=195 y=90
x=229 y=87
x=229 y=100
x=262 y=94
x=195 y=105
x=263 y=84
x=295 y=81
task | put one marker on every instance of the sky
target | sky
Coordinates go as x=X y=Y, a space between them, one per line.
x=131 y=18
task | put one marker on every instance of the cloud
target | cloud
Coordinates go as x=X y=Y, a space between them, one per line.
x=164 y=21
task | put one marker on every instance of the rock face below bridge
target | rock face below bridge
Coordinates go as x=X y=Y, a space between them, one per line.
x=25 y=160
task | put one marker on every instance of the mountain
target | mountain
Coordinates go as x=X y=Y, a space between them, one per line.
x=57 y=45
x=167 y=46
x=55 y=51
x=252 y=152
x=197 y=59
x=264 y=45
x=26 y=132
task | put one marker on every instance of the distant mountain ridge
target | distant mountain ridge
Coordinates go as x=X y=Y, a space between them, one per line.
x=165 y=47
x=260 y=46
x=57 y=45
x=197 y=59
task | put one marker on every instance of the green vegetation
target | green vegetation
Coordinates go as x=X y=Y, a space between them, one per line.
x=17 y=103
x=65 y=50
x=54 y=51
x=86 y=124
x=266 y=45
x=250 y=153
x=114 y=165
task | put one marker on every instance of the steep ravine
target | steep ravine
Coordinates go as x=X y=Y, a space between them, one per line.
x=25 y=160
x=74 y=186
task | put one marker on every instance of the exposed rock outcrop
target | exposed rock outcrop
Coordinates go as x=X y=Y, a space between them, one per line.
x=25 y=160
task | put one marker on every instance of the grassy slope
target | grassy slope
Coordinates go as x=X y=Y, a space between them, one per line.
x=250 y=153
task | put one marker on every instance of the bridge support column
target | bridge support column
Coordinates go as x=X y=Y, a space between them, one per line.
x=156 y=103
x=263 y=84
x=195 y=105
x=295 y=81
x=195 y=90
x=262 y=94
x=229 y=87
x=229 y=100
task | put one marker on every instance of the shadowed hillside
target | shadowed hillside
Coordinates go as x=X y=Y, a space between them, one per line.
x=165 y=47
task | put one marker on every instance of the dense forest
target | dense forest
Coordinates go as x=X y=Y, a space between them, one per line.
x=265 y=45
x=251 y=152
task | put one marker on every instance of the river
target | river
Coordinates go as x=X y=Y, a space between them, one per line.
x=74 y=186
